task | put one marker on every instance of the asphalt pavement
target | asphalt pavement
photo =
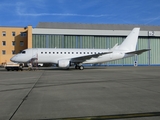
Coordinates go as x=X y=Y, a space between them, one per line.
x=131 y=93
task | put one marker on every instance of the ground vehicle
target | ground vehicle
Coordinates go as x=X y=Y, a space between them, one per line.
x=13 y=66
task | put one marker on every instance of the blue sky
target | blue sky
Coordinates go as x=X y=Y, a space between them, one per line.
x=30 y=12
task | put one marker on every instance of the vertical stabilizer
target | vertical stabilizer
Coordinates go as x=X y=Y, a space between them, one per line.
x=129 y=44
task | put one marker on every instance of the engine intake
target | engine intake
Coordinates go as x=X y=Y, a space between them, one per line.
x=64 y=63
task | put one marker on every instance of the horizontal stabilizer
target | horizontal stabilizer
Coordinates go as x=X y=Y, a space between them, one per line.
x=138 y=52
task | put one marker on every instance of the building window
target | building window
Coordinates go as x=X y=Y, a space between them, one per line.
x=21 y=43
x=3 y=33
x=13 y=43
x=3 y=52
x=13 y=33
x=23 y=34
x=4 y=43
x=13 y=52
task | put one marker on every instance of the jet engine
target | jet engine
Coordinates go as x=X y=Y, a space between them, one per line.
x=64 y=63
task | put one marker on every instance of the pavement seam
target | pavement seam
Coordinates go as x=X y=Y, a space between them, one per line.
x=26 y=96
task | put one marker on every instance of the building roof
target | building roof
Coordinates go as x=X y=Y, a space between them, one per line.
x=56 y=25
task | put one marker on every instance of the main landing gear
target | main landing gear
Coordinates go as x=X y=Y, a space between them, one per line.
x=80 y=67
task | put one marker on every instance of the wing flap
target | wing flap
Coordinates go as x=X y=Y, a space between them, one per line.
x=138 y=52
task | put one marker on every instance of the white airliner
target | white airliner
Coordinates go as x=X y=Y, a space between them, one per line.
x=64 y=58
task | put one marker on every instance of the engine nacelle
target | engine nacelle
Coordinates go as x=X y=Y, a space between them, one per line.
x=64 y=63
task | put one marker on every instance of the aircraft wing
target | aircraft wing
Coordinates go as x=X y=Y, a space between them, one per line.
x=87 y=57
x=138 y=52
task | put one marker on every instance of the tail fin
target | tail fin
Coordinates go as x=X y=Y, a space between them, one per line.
x=130 y=42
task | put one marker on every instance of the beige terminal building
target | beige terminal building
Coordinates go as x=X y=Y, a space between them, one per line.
x=72 y=35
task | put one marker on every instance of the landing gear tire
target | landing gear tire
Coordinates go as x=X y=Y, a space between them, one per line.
x=81 y=67
x=76 y=67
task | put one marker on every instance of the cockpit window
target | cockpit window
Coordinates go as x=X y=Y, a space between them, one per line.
x=23 y=52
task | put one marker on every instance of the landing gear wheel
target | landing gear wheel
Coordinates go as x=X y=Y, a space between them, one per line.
x=76 y=67
x=81 y=67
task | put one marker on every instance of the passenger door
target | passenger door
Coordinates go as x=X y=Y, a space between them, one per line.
x=34 y=59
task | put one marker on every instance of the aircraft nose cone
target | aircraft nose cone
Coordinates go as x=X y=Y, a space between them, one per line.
x=13 y=59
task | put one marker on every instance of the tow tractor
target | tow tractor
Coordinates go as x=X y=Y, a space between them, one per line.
x=13 y=66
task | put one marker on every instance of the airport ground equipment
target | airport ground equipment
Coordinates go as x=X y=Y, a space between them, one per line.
x=13 y=66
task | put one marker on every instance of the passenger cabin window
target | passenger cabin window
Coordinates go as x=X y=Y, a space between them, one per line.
x=49 y=52
x=45 y=52
x=23 y=52
x=41 y=52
